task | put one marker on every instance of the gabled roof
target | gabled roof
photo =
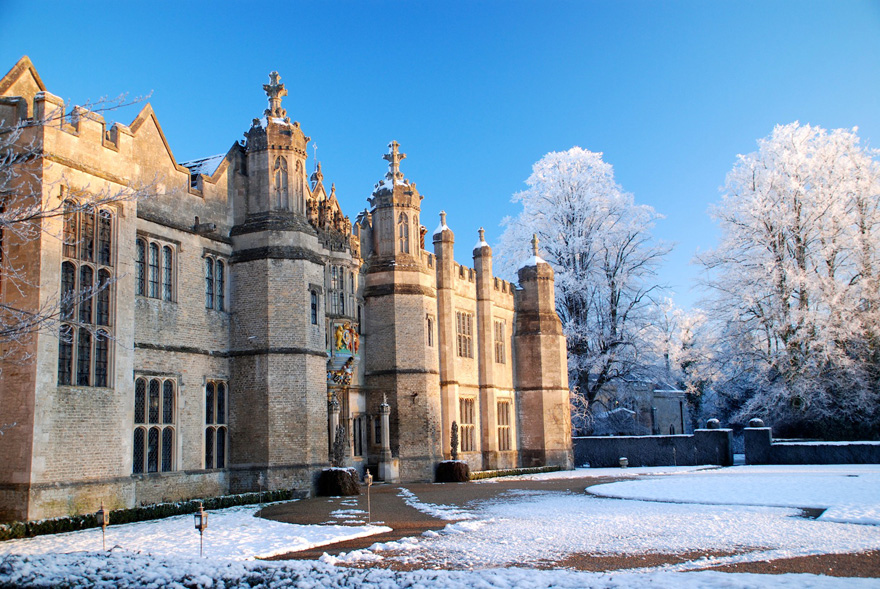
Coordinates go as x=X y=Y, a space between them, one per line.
x=25 y=74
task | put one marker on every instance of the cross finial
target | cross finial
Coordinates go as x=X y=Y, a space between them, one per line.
x=275 y=91
x=535 y=244
x=394 y=158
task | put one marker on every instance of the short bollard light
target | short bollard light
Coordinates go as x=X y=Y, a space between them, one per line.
x=368 y=478
x=103 y=516
x=201 y=521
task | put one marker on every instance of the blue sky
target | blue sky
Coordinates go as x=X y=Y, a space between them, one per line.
x=477 y=91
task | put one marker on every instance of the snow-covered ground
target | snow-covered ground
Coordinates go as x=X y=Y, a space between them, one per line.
x=233 y=534
x=847 y=493
x=746 y=513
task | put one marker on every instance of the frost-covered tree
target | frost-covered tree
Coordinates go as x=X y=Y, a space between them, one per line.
x=28 y=214
x=600 y=246
x=794 y=283
x=683 y=353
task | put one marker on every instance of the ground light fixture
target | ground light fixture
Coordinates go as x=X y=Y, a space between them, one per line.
x=103 y=516
x=368 y=478
x=201 y=520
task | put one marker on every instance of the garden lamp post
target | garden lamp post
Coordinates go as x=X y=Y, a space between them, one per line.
x=103 y=516
x=368 y=478
x=201 y=521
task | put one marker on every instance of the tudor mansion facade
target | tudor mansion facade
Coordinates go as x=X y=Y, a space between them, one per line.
x=210 y=336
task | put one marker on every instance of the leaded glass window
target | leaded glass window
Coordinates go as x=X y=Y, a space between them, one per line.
x=154 y=425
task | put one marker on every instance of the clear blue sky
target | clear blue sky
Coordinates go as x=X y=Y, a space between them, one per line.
x=476 y=92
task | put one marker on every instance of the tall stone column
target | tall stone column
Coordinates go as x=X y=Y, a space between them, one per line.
x=333 y=407
x=444 y=251
x=388 y=466
x=486 y=354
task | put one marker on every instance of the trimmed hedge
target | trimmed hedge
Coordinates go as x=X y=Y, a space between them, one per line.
x=511 y=472
x=137 y=514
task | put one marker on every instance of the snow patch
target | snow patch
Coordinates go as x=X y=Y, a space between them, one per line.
x=446 y=512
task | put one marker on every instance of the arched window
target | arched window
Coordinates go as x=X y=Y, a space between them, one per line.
x=154 y=401
x=65 y=354
x=86 y=296
x=87 y=239
x=153 y=450
x=281 y=194
x=140 y=401
x=209 y=283
x=105 y=237
x=154 y=420
x=84 y=358
x=167 y=402
x=221 y=286
x=167 y=272
x=70 y=229
x=68 y=290
x=215 y=282
x=154 y=271
x=103 y=298
x=467 y=425
x=403 y=233
x=299 y=183
x=140 y=269
x=138 y=452
x=87 y=289
x=215 y=424
x=101 y=358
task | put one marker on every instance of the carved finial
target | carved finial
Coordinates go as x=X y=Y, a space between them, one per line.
x=317 y=175
x=333 y=190
x=442 y=218
x=394 y=158
x=275 y=91
x=482 y=233
x=535 y=244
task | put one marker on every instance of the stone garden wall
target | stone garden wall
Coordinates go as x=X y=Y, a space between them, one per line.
x=761 y=449
x=705 y=446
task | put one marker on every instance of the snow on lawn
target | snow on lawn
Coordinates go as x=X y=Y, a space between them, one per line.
x=848 y=493
x=530 y=527
x=123 y=569
x=526 y=528
x=446 y=512
x=518 y=529
x=233 y=534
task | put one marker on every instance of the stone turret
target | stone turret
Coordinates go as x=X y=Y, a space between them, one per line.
x=400 y=291
x=278 y=354
x=541 y=368
x=276 y=154
x=396 y=205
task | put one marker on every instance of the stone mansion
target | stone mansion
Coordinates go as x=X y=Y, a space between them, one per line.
x=237 y=316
